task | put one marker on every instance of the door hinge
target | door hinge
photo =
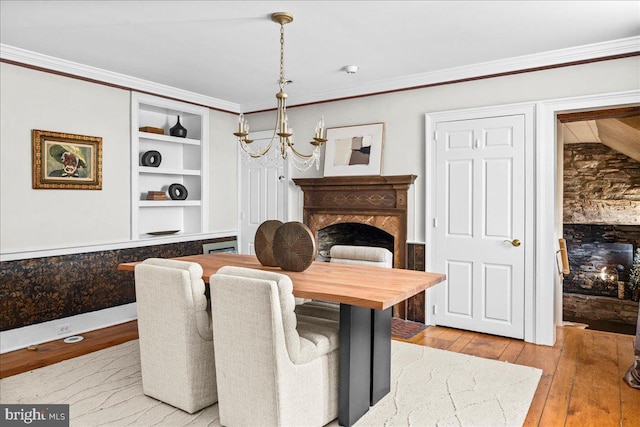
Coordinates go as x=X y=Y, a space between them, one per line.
x=435 y=135
x=435 y=222
x=435 y=309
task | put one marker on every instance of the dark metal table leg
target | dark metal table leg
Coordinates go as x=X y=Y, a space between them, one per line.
x=380 y=354
x=355 y=363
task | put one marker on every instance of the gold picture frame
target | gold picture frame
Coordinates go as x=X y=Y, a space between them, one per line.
x=64 y=161
x=354 y=150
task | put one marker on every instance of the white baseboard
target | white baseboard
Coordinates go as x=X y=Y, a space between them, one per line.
x=15 y=339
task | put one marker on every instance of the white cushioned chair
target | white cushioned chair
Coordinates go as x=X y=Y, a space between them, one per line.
x=176 y=338
x=361 y=255
x=343 y=254
x=273 y=367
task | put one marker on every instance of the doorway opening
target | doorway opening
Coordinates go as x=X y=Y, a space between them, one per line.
x=599 y=169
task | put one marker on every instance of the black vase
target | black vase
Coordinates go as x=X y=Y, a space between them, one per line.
x=178 y=130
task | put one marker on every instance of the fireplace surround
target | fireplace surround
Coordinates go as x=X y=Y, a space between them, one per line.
x=375 y=201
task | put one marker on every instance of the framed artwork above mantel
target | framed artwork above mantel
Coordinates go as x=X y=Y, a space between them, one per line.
x=354 y=150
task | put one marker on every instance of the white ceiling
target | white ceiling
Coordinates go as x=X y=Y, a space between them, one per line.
x=229 y=50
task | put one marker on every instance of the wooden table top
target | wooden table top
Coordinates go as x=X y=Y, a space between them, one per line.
x=372 y=287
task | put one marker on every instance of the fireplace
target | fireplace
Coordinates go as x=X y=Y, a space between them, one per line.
x=359 y=210
x=600 y=259
x=351 y=234
x=599 y=268
x=375 y=201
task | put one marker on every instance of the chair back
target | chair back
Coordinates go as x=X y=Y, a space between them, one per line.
x=269 y=373
x=175 y=334
x=275 y=304
x=361 y=255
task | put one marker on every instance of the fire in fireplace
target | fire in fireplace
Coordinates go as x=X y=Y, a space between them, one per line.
x=597 y=268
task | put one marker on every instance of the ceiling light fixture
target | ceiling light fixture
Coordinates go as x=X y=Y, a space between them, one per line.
x=282 y=130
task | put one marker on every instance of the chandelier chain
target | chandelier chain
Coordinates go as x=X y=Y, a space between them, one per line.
x=282 y=57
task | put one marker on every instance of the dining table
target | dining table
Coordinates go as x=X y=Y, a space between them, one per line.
x=366 y=295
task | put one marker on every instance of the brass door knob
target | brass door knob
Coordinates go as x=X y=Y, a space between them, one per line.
x=514 y=242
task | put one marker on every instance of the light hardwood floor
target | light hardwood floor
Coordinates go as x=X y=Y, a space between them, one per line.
x=581 y=383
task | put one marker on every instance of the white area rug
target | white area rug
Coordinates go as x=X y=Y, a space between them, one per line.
x=429 y=387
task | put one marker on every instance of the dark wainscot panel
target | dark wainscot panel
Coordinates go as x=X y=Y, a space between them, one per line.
x=42 y=289
x=416 y=260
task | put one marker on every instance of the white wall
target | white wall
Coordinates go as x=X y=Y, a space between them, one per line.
x=223 y=172
x=403 y=115
x=36 y=219
x=32 y=220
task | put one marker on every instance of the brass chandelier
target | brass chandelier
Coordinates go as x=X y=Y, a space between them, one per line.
x=281 y=129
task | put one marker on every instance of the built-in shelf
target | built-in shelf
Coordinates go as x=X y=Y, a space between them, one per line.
x=167 y=138
x=183 y=161
x=168 y=171
x=168 y=203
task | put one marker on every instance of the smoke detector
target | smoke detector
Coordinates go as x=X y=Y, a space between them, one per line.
x=350 y=69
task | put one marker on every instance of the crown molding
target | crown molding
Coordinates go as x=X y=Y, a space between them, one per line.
x=534 y=62
x=62 y=66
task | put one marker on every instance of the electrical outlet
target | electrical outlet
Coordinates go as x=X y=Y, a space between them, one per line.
x=64 y=329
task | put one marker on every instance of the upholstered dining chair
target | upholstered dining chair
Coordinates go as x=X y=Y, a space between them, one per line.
x=361 y=255
x=176 y=337
x=345 y=254
x=273 y=367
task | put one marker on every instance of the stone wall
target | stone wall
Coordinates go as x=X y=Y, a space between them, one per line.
x=601 y=186
x=599 y=308
x=601 y=210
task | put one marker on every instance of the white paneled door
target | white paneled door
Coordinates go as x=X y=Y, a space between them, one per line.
x=263 y=194
x=480 y=224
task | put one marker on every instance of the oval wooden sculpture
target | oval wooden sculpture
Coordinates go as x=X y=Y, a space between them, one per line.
x=263 y=242
x=294 y=247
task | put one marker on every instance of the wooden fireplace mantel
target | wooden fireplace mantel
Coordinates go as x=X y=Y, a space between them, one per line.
x=380 y=201
x=367 y=180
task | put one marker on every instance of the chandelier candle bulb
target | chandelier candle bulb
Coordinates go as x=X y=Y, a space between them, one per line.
x=319 y=128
